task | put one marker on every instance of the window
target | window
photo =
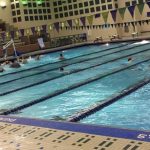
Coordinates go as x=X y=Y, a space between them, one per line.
x=80 y=5
x=104 y=7
x=66 y=14
x=35 y=11
x=14 y=19
x=45 y=17
x=76 y=12
x=48 y=11
x=17 y=5
x=70 y=7
x=97 y=2
x=13 y=13
x=110 y=6
x=91 y=2
x=127 y=4
x=71 y=13
x=81 y=11
x=92 y=9
x=86 y=10
x=31 y=18
x=98 y=8
x=18 y=12
x=55 y=10
x=85 y=4
x=36 y=17
x=25 y=11
x=30 y=11
x=26 y=18
x=49 y=16
x=41 y=17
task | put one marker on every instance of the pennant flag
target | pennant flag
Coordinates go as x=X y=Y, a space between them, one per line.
x=50 y=27
x=113 y=14
x=22 y=32
x=140 y=8
x=97 y=15
x=83 y=20
x=140 y=23
x=3 y=35
x=69 y=23
x=56 y=25
x=76 y=22
x=12 y=34
x=135 y=23
x=105 y=16
x=33 y=30
x=121 y=24
x=131 y=10
x=132 y=24
x=147 y=21
x=148 y=3
x=143 y=21
x=90 y=20
x=122 y=12
x=44 y=27
x=112 y=25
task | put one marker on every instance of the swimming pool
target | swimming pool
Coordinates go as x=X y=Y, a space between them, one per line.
x=92 y=75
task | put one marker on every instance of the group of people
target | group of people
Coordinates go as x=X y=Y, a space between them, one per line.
x=15 y=63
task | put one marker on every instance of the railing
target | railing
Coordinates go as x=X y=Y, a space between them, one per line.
x=67 y=40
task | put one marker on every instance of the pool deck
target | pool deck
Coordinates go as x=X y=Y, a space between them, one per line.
x=35 y=134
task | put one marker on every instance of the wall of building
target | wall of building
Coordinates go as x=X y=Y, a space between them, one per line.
x=27 y=14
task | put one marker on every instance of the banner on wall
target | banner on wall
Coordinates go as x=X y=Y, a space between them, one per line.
x=83 y=20
x=105 y=16
x=148 y=3
x=44 y=27
x=122 y=12
x=33 y=30
x=56 y=25
x=22 y=32
x=76 y=21
x=140 y=7
x=41 y=43
x=69 y=23
x=12 y=34
x=131 y=10
x=114 y=14
x=90 y=19
x=3 y=35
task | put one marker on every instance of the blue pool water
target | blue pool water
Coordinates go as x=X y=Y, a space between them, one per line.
x=131 y=112
x=107 y=64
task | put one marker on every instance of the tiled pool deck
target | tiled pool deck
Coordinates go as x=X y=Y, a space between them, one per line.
x=33 y=134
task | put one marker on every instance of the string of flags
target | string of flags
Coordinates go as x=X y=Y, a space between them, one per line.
x=87 y=21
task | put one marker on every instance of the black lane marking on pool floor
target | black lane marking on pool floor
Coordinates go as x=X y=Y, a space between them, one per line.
x=73 y=86
x=100 y=105
x=61 y=75
x=52 y=63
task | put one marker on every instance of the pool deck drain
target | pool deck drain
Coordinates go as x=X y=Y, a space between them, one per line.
x=32 y=134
